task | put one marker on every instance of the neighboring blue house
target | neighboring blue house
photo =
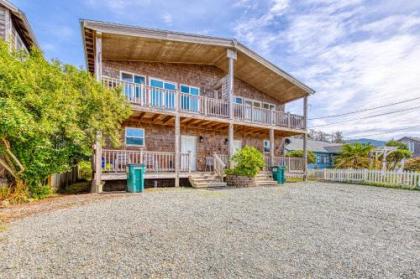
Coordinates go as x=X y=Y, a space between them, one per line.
x=324 y=151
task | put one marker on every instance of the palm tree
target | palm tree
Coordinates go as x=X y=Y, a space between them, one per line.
x=354 y=156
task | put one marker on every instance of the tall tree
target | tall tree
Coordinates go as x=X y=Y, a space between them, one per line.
x=354 y=155
x=50 y=114
x=395 y=157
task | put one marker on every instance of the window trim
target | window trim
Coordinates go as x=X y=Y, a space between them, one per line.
x=133 y=74
x=135 y=145
x=164 y=81
x=252 y=101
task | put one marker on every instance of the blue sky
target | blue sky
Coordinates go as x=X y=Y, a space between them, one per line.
x=356 y=54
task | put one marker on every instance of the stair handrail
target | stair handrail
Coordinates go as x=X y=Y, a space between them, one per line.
x=219 y=166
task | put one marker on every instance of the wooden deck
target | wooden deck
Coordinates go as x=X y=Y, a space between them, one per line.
x=162 y=101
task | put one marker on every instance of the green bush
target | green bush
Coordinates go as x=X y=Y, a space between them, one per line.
x=299 y=154
x=40 y=192
x=77 y=188
x=248 y=162
x=85 y=170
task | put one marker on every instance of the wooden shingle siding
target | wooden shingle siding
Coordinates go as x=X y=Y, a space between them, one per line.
x=3 y=23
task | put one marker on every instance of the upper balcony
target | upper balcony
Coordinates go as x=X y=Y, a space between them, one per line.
x=147 y=98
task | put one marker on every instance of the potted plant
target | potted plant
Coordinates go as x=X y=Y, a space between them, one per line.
x=248 y=162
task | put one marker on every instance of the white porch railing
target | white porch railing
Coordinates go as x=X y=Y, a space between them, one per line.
x=165 y=100
x=116 y=161
x=219 y=166
x=404 y=179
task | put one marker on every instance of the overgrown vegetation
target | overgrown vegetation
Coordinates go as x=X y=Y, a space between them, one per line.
x=413 y=165
x=85 y=170
x=248 y=161
x=395 y=157
x=78 y=188
x=50 y=114
x=299 y=154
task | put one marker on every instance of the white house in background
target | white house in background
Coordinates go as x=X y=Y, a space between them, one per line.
x=413 y=144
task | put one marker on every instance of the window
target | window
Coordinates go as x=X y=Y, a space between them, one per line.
x=267 y=146
x=238 y=100
x=162 y=94
x=190 y=103
x=134 y=136
x=132 y=88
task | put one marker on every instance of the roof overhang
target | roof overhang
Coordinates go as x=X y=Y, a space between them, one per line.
x=22 y=24
x=131 y=43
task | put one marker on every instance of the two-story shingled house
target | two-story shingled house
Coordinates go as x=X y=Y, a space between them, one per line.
x=195 y=99
x=15 y=28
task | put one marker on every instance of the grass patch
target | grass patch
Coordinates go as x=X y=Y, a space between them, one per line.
x=294 y=179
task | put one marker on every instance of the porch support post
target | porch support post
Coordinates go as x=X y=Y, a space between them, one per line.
x=97 y=182
x=98 y=56
x=305 y=138
x=272 y=147
x=230 y=138
x=232 y=56
x=177 y=141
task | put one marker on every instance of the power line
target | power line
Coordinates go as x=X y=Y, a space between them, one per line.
x=364 y=110
x=389 y=131
x=367 y=117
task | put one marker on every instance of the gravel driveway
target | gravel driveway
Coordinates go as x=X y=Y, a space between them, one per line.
x=300 y=230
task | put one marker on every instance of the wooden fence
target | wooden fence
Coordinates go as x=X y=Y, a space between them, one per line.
x=61 y=180
x=403 y=179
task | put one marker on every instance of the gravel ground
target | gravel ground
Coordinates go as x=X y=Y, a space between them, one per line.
x=300 y=230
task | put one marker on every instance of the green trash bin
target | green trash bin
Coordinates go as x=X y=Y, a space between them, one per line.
x=278 y=174
x=135 y=178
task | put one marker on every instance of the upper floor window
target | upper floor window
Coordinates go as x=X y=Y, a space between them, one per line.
x=254 y=103
x=190 y=103
x=134 y=136
x=132 y=89
x=162 y=94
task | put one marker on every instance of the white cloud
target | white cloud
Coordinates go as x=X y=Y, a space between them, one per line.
x=167 y=18
x=351 y=55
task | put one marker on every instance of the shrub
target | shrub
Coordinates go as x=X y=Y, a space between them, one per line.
x=248 y=162
x=40 y=192
x=299 y=154
x=77 y=188
x=413 y=165
x=85 y=170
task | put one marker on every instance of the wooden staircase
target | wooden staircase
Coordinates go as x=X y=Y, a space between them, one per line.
x=265 y=178
x=206 y=180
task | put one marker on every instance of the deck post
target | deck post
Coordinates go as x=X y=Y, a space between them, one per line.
x=305 y=138
x=272 y=147
x=232 y=56
x=97 y=182
x=177 y=140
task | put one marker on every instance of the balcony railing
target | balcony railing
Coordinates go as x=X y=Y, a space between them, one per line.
x=116 y=161
x=165 y=100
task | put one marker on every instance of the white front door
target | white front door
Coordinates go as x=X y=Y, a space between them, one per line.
x=189 y=144
x=237 y=144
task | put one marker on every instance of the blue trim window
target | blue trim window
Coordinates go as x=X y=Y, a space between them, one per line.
x=162 y=98
x=134 y=136
x=132 y=80
x=190 y=103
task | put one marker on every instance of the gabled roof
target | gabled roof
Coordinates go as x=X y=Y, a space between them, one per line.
x=314 y=146
x=417 y=139
x=21 y=23
x=132 y=43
